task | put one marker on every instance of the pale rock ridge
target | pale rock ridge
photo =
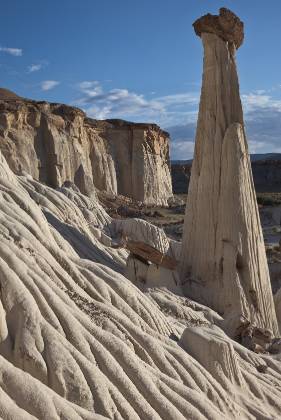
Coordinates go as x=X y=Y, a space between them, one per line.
x=79 y=341
x=223 y=256
x=56 y=143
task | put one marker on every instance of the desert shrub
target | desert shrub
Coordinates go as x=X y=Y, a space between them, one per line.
x=269 y=199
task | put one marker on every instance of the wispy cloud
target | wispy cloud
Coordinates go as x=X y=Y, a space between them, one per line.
x=262 y=114
x=34 y=67
x=39 y=65
x=180 y=99
x=182 y=140
x=181 y=150
x=117 y=103
x=259 y=100
x=49 y=84
x=122 y=103
x=16 y=52
x=178 y=114
x=84 y=86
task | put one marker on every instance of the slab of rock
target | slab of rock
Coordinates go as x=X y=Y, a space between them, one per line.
x=149 y=253
x=223 y=257
x=215 y=352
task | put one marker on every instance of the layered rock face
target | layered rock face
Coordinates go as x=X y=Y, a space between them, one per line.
x=223 y=256
x=142 y=160
x=57 y=143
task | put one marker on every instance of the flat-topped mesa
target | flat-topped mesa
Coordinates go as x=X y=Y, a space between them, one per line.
x=223 y=260
x=226 y=25
x=56 y=143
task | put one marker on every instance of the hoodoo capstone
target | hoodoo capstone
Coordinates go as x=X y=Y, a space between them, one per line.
x=223 y=261
x=226 y=25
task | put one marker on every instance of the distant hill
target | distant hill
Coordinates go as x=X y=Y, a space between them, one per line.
x=181 y=162
x=6 y=94
x=266 y=169
x=265 y=156
x=255 y=157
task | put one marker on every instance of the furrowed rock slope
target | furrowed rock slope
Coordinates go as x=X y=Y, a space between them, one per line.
x=224 y=263
x=57 y=143
x=79 y=341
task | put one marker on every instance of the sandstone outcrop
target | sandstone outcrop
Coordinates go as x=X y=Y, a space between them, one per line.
x=56 y=143
x=223 y=257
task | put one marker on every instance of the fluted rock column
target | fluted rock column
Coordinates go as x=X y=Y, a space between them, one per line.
x=223 y=261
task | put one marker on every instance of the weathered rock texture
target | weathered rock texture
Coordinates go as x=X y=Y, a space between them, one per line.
x=79 y=341
x=226 y=25
x=223 y=256
x=57 y=143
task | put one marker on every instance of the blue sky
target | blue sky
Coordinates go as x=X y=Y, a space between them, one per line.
x=140 y=60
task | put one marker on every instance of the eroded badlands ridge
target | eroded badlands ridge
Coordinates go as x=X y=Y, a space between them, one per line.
x=57 y=143
x=79 y=341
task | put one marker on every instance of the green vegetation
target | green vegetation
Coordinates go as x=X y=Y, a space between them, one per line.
x=269 y=199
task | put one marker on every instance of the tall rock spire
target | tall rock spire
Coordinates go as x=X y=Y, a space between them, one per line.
x=223 y=261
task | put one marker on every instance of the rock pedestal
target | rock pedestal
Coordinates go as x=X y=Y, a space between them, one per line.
x=223 y=261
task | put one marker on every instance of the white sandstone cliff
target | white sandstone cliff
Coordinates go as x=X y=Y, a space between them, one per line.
x=57 y=143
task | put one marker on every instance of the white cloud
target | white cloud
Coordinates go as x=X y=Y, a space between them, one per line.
x=182 y=150
x=16 y=52
x=34 y=67
x=257 y=146
x=41 y=64
x=122 y=103
x=180 y=99
x=262 y=114
x=88 y=84
x=177 y=113
x=253 y=101
x=116 y=103
x=263 y=121
x=49 y=84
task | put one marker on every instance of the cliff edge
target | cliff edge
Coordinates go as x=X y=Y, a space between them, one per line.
x=56 y=143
